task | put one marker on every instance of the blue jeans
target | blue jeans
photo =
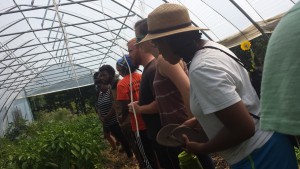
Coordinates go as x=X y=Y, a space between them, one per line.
x=277 y=153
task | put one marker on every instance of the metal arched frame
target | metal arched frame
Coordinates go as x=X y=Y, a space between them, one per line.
x=34 y=46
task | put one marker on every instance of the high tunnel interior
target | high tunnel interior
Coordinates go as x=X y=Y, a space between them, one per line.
x=55 y=45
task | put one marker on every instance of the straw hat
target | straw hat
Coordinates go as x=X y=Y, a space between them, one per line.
x=194 y=134
x=171 y=135
x=168 y=19
x=165 y=137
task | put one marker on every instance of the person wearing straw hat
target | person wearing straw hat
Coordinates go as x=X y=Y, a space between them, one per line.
x=171 y=87
x=222 y=98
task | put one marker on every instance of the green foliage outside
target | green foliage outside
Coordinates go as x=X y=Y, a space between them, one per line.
x=77 y=101
x=297 y=150
x=57 y=140
x=16 y=128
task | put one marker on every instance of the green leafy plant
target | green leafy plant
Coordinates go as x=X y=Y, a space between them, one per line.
x=297 y=151
x=17 y=126
x=69 y=143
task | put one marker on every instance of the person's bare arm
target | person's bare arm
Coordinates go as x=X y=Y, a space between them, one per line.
x=99 y=115
x=179 y=78
x=238 y=127
x=151 y=108
x=125 y=111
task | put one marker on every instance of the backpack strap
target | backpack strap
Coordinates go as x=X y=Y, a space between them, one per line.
x=247 y=67
x=254 y=116
x=238 y=60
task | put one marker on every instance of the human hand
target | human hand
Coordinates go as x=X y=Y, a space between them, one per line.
x=134 y=105
x=190 y=146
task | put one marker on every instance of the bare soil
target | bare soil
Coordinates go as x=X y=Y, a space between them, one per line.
x=118 y=160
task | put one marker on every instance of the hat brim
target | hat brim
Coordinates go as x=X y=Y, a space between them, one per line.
x=195 y=135
x=171 y=135
x=165 y=138
x=160 y=35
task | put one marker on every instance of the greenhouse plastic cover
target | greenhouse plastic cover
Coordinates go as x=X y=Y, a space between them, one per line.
x=54 y=45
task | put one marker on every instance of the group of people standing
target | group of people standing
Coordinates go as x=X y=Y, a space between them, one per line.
x=160 y=97
x=183 y=82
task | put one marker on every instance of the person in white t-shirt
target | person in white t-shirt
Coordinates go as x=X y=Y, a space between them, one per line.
x=222 y=98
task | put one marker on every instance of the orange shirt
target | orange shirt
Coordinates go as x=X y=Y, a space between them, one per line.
x=123 y=93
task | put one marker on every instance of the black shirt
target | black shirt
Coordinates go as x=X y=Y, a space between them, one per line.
x=146 y=96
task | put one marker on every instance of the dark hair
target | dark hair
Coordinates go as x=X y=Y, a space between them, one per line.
x=96 y=75
x=124 y=69
x=185 y=44
x=109 y=69
x=96 y=80
x=142 y=27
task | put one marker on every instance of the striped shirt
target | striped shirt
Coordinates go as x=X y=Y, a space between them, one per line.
x=104 y=105
x=170 y=104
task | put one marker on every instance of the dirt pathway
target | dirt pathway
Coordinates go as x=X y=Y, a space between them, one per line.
x=116 y=160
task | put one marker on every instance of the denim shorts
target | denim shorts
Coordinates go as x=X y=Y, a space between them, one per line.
x=277 y=153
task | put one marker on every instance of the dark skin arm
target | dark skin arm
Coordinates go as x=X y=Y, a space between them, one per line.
x=125 y=111
x=238 y=127
x=99 y=115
